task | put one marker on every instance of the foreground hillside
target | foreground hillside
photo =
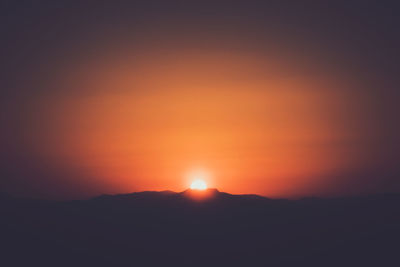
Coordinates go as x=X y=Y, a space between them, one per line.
x=207 y=229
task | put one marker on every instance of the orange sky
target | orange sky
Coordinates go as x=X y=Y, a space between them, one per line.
x=268 y=98
x=258 y=122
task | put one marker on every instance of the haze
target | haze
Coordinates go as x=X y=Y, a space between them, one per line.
x=136 y=104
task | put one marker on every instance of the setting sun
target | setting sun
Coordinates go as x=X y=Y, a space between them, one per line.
x=198 y=185
x=198 y=179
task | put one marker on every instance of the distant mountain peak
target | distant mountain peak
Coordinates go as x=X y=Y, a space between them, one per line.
x=196 y=194
x=209 y=190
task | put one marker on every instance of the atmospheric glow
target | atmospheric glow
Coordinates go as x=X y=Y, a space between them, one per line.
x=157 y=122
x=198 y=178
x=198 y=185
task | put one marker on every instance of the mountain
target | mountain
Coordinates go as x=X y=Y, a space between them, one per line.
x=200 y=228
x=188 y=197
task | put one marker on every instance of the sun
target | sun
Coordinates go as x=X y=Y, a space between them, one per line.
x=198 y=184
x=198 y=178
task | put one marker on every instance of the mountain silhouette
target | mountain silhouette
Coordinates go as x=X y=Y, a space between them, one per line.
x=211 y=195
x=200 y=228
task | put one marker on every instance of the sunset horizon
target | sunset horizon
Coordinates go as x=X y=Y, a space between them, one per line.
x=199 y=133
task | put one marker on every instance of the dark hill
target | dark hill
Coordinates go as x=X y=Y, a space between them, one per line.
x=210 y=228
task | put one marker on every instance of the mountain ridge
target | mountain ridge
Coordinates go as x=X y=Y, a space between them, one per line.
x=227 y=229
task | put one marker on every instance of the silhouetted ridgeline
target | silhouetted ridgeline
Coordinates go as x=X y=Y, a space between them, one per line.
x=188 y=229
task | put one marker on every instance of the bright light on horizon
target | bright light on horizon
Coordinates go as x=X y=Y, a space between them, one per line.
x=198 y=185
x=198 y=179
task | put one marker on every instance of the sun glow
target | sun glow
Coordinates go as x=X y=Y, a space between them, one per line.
x=198 y=185
x=178 y=128
x=198 y=178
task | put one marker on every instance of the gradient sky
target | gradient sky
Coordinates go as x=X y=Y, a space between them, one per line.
x=278 y=98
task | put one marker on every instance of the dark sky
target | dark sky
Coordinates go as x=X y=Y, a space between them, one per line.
x=56 y=55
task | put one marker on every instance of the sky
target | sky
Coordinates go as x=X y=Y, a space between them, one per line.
x=277 y=98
